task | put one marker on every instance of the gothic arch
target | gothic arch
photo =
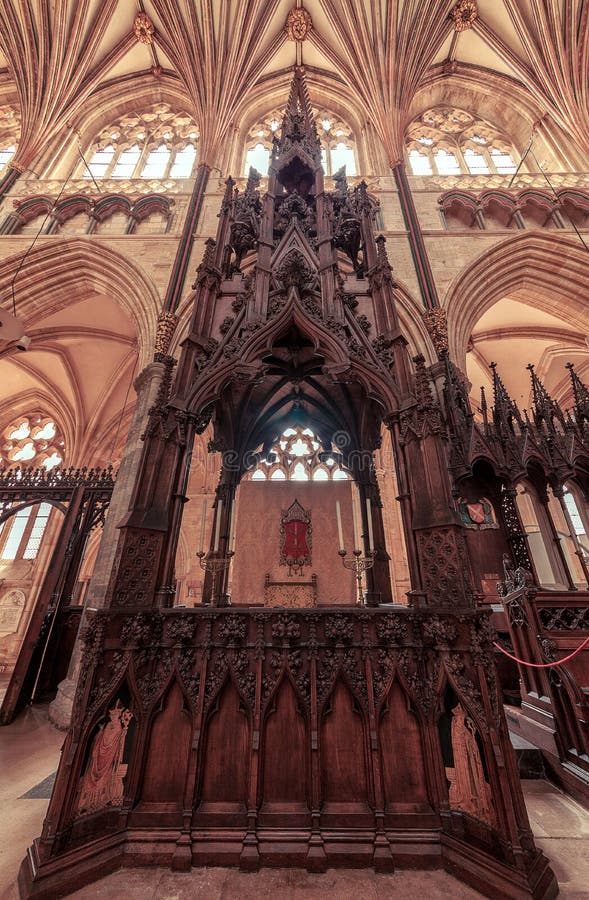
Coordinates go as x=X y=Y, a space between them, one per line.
x=110 y=101
x=499 y=99
x=526 y=261
x=55 y=270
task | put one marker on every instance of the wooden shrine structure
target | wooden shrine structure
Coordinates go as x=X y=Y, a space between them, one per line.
x=83 y=496
x=351 y=735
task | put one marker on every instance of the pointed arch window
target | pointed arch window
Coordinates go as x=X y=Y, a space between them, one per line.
x=24 y=532
x=155 y=144
x=6 y=154
x=298 y=455
x=449 y=141
x=258 y=158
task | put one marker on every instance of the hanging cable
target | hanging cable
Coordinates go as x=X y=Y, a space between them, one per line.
x=42 y=226
x=531 y=665
x=549 y=183
x=523 y=159
x=23 y=260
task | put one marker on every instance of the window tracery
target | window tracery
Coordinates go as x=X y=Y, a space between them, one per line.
x=22 y=533
x=155 y=144
x=32 y=440
x=452 y=141
x=298 y=456
x=337 y=143
x=9 y=134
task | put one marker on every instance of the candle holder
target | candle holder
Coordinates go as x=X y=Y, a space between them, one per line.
x=358 y=564
x=215 y=565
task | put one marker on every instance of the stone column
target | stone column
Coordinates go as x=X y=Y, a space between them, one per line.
x=146 y=386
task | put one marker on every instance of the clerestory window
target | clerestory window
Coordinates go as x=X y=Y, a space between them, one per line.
x=451 y=142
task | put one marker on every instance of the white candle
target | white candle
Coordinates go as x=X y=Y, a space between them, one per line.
x=340 y=533
x=203 y=519
x=218 y=526
x=369 y=517
x=355 y=521
x=231 y=527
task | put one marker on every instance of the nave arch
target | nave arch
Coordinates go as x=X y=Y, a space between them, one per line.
x=525 y=301
x=91 y=319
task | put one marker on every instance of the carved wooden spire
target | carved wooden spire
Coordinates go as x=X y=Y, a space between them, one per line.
x=298 y=136
x=545 y=409
x=581 y=395
x=505 y=410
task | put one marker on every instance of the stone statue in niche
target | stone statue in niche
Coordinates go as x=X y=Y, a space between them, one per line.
x=12 y=606
x=295 y=538
x=469 y=789
x=479 y=515
x=102 y=783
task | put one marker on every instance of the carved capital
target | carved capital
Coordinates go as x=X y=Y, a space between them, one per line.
x=436 y=322
x=166 y=326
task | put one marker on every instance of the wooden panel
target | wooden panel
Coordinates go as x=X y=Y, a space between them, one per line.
x=225 y=760
x=285 y=776
x=401 y=752
x=343 y=759
x=167 y=753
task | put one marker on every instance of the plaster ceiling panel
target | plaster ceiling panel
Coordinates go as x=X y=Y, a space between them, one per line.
x=313 y=57
x=95 y=363
x=47 y=369
x=283 y=59
x=98 y=312
x=444 y=50
x=496 y=16
x=473 y=50
x=14 y=379
x=509 y=312
x=119 y=26
x=137 y=59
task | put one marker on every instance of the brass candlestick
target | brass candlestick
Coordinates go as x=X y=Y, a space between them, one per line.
x=358 y=564
x=215 y=565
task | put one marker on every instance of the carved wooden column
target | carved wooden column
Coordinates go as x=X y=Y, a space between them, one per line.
x=515 y=532
x=217 y=573
x=378 y=579
x=180 y=267
x=147 y=385
x=423 y=270
x=440 y=547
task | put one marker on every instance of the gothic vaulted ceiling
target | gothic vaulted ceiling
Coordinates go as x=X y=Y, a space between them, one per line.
x=73 y=66
x=64 y=55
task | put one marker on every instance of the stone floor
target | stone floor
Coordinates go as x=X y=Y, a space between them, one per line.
x=29 y=752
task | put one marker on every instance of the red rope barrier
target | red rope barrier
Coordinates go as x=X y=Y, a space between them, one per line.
x=543 y=665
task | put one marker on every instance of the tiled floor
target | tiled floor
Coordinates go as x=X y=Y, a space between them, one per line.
x=29 y=752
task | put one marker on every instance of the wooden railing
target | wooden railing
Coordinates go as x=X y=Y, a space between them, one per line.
x=544 y=627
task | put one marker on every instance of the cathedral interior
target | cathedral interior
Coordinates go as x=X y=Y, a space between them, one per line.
x=294 y=443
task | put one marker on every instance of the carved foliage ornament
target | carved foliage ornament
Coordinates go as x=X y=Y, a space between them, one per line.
x=166 y=326
x=298 y=24
x=437 y=326
x=143 y=28
x=464 y=14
